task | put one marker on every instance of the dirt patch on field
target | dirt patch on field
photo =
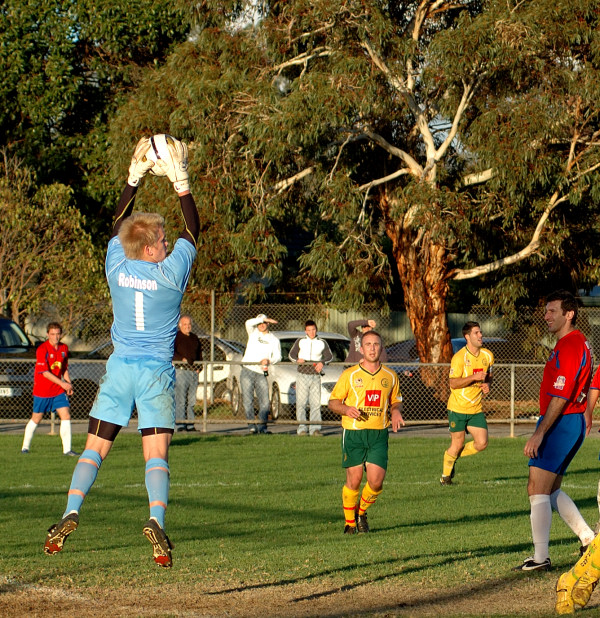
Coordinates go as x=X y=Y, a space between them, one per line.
x=522 y=597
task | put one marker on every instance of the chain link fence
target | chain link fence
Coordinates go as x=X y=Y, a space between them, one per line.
x=520 y=348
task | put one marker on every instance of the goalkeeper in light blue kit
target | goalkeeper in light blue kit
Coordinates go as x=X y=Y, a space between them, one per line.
x=146 y=287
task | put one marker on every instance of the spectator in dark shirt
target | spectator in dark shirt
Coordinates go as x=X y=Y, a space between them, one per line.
x=188 y=351
x=357 y=328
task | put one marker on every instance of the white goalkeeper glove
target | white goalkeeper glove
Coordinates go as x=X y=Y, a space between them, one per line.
x=140 y=164
x=177 y=167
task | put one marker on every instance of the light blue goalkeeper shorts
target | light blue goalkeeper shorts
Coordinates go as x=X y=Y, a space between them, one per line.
x=143 y=383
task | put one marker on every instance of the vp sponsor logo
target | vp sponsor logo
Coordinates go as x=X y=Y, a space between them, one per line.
x=373 y=398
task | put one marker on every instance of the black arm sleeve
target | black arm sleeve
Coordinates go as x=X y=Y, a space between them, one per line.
x=190 y=218
x=327 y=353
x=124 y=207
x=293 y=354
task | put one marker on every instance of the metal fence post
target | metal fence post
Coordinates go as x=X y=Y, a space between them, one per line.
x=512 y=400
x=205 y=367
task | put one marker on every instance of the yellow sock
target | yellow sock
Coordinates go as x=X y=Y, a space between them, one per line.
x=448 y=463
x=367 y=498
x=469 y=449
x=349 y=498
x=588 y=562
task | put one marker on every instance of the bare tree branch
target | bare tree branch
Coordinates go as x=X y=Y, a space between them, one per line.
x=282 y=185
x=468 y=92
x=383 y=180
x=460 y=274
x=478 y=177
x=413 y=165
x=318 y=52
x=304 y=35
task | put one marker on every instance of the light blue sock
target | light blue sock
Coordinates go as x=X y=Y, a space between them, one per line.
x=84 y=475
x=157 y=485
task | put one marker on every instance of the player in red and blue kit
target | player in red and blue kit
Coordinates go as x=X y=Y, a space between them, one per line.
x=146 y=287
x=560 y=430
x=51 y=387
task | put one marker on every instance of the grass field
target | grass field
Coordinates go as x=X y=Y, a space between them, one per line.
x=256 y=522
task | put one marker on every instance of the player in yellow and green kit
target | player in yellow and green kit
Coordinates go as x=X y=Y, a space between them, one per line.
x=470 y=378
x=368 y=399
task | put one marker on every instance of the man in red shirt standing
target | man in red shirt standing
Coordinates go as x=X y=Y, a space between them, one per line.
x=560 y=430
x=51 y=385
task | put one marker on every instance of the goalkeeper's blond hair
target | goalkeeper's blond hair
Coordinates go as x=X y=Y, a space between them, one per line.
x=140 y=230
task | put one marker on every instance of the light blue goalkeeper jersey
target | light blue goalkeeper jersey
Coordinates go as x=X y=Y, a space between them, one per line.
x=146 y=300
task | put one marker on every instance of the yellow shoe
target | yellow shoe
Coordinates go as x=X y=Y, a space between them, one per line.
x=564 y=601
x=582 y=590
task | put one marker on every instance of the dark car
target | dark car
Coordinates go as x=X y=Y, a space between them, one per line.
x=17 y=361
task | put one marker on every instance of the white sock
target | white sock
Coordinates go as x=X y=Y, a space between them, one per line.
x=570 y=514
x=541 y=520
x=29 y=431
x=65 y=435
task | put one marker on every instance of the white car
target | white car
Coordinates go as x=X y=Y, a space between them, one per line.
x=282 y=376
x=224 y=373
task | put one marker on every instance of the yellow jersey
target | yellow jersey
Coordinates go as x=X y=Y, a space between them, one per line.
x=468 y=400
x=373 y=394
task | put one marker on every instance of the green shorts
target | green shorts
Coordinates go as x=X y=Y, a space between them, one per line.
x=460 y=422
x=361 y=446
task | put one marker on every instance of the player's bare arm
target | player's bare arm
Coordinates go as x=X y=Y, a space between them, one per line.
x=592 y=398
x=555 y=408
x=456 y=383
x=339 y=407
x=64 y=384
x=397 y=420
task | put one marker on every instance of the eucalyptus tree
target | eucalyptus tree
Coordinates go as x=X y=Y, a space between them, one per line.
x=436 y=141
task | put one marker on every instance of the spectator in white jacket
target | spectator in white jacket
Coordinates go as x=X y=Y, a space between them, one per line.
x=311 y=353
x=264 y=349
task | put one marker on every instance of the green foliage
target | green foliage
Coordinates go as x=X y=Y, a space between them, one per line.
x=281 y=117
x=64 y=65
x=317 y=135
x=47 y=259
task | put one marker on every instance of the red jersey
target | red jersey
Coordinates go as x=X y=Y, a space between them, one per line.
x=568 y=373
x=53 y=360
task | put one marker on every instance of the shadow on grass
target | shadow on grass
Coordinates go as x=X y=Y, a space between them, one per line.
x=441 y=560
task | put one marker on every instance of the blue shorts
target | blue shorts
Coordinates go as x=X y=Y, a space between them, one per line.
x=560 y=444
x=49 y=404
x=143 y=383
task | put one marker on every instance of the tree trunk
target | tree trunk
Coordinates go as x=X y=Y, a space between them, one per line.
x=423 y=271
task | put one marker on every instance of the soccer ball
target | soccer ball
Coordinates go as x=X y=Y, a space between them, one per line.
x=159 y=150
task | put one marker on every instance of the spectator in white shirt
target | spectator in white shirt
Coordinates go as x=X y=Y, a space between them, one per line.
x=264 y=349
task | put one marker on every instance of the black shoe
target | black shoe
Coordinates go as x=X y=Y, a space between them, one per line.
x=446 y=480
x=265 y=431
x=529 y=564
x=71 y=454
x=583 y=549
x=161 y=546
x=348 y=529
x=181 y=428
x=58 y=533
x=362 y=524
x=190 y=428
